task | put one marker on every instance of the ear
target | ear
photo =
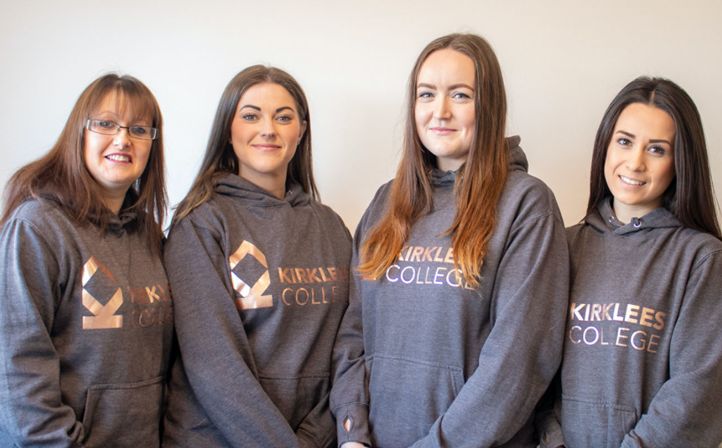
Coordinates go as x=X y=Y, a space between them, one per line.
x=304 y=124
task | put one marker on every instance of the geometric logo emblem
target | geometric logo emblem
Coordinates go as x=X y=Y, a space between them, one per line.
x=103 y=315
x=250 y=296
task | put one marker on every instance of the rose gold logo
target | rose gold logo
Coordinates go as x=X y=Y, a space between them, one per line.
x=103 y=315
x=250 y=297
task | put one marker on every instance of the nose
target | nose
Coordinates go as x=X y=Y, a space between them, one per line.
x=635 y=160
x=441 y=108
x=122 y=138
x=268 y=129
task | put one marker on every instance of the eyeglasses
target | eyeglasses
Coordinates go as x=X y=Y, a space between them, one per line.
x=109 y=127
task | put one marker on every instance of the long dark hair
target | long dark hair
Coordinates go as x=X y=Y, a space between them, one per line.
x=690 y=196
x=62 y=176
x=479 y=185
x=219 y=156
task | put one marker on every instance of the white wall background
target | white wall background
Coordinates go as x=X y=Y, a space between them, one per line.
x=563 y=61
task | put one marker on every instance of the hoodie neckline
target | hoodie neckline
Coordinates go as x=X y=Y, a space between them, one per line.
x=605 y=220
x=232 y=185
x=516 y=159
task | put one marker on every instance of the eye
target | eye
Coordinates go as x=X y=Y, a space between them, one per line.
x=105 y=124
x=248 y=116
x=460 y=96
x=623 y=141
x=284 y=118
x=425 y=95
x=140 y=131
x=657 y=150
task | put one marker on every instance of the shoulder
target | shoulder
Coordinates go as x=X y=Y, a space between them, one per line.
x=573 y=231
x=703 y=246
x=40 y=227
x=376 y=207
x=527 y=197
x=209 y=215
x=43 y=215
x=328 y=215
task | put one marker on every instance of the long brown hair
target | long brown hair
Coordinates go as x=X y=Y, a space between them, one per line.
x=220 y=158
x=479 y=183
x=62 y=176
x=690 y=196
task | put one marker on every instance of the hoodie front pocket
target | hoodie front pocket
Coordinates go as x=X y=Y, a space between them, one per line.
x=123 y=415
x=594 y=423
x=406 y=398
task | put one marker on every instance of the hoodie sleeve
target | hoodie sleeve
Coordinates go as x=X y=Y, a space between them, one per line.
x=687 y=410
x=546 y=421
x=318 y=428
x=213 y=343
x=32 y=411
x=349 y=396
x=523 y=350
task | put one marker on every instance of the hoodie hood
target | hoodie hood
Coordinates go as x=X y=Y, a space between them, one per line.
x=126 y=219
x=517 y=162
x=604 y=220
x=233 y=185
x=517 y=158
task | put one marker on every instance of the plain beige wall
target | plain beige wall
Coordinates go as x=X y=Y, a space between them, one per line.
x=563 y=62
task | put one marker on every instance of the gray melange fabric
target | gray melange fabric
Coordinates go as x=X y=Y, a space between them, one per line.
x=86 y=328
x=260 y=285
x=643 y=356
x=425 y=361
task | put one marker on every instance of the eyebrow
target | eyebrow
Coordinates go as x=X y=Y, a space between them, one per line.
x=451 y=87
x=654 y=140
x=280 y=109
x=138 y=119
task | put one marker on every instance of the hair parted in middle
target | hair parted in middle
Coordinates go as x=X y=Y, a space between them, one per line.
x=690 y=196
x=219 y=156
x=480 y=180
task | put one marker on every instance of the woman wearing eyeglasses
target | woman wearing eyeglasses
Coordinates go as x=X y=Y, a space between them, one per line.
x=85 y=310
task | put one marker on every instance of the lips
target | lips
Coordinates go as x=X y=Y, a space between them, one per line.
x=123 y=158
x=266 y=147
x=629 y=181
x=441 y=130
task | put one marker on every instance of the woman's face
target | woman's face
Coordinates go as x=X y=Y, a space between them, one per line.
x=640 y=160
x=445 y=113
x=115 y=160
x=265 y=133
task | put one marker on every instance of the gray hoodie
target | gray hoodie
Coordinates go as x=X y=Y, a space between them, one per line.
x=424 y=360
x=260 y=285
x=86 y=327
x=643 y=356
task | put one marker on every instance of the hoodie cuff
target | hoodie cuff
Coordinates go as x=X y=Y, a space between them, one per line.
x=552 y=437
x=355 y=417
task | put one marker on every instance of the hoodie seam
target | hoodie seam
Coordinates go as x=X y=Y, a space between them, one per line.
x=40 y=236
x=704 y=259
x=531 y=219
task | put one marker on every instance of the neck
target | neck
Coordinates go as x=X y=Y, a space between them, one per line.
x=625 y=213
x=274 y=184
x=114 y=204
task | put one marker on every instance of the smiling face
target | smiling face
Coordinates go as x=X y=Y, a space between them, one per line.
x=639 y=166
x=116 y=161
x=264 y=134
x=444 y=112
